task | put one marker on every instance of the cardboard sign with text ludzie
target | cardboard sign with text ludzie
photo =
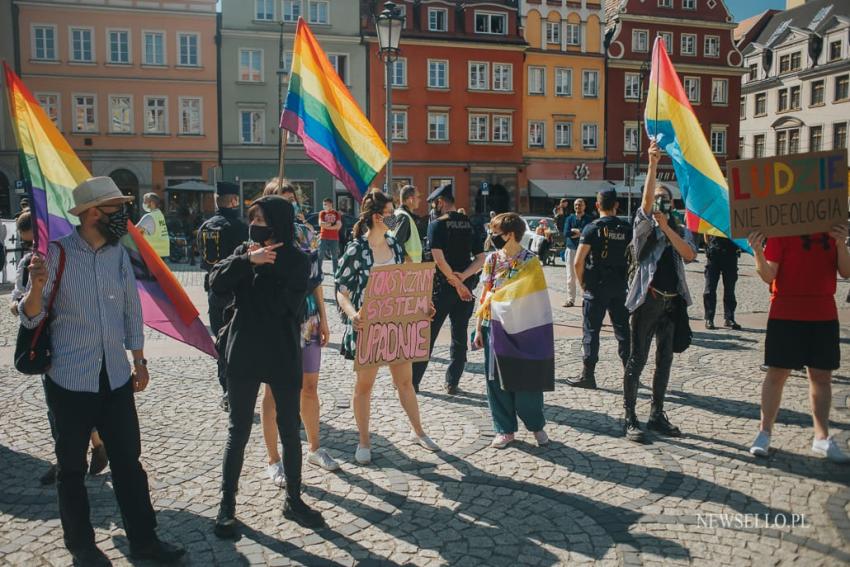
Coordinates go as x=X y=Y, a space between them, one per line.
x=788 y=195
x=396 y=312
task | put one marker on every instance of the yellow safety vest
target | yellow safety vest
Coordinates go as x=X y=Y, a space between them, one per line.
x=159 y=239
x=413 y=246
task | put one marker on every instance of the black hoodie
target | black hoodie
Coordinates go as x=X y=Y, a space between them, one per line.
x=264 y=341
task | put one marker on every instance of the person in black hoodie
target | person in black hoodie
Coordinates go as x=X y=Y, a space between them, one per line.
x=269 y=278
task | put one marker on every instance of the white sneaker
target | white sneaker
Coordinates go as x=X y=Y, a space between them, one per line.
x=363 y=455
x=276 y=474
x=829 y=449
x=322 y=459
x=424 y=441
x=761 y=444
x=541 y=438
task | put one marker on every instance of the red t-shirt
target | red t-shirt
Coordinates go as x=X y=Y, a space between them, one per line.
x=330 y=217
x=804 y=288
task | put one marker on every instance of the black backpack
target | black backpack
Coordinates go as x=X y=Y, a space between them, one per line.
x=209 y=241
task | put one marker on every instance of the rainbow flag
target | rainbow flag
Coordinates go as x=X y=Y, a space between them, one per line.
x=53 y=170
x=325 y=116
x=671 y=121
x=522 y=335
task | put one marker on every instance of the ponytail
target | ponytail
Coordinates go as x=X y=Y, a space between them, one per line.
x=372 y=204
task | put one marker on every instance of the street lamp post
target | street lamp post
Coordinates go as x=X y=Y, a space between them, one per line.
x=644 y=70
x=388 y=25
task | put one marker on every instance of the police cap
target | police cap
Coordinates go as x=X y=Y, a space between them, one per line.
x=445 y=191
x=226 y=188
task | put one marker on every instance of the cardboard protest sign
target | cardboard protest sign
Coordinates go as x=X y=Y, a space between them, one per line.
x=788 y=195
x=396 y=311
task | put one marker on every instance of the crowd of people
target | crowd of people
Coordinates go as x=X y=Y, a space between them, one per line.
x=267 y=313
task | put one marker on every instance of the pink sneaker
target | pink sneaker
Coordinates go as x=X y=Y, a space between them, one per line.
x=502 y=440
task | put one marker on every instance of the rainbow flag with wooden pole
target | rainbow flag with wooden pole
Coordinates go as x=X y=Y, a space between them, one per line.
x=320 y=109
x=52 y=170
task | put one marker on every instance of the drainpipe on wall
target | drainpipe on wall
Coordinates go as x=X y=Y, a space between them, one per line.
x=218 y=42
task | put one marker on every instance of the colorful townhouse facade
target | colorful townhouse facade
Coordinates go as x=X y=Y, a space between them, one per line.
x=8 y=149
x=132 y=86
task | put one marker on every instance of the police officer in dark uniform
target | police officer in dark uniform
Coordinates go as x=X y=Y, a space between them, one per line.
x=602 y=268
x=721 y=261
x=459 y=254
x=217 y=238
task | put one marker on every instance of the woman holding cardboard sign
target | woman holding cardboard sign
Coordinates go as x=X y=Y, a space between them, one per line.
x=372 y=246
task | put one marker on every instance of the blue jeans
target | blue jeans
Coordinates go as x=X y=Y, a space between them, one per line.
x=329 y=247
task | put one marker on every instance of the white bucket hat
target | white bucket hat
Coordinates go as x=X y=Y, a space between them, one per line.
x=95 y=192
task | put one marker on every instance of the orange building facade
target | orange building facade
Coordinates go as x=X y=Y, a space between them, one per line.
x=132 y=86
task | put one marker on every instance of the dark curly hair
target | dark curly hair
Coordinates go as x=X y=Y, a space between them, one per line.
x=372 y=204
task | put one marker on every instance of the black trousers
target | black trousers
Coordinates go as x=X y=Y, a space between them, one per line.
x=113 y=413
x=216 y=304
x=448 y=305
x=242 y=396
x=714 y=270
x=594 y=306
x=652 y=319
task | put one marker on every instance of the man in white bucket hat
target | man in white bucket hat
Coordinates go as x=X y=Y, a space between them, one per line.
x=96 y=318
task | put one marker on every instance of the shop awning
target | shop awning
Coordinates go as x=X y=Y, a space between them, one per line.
x=192 y=186
x=560 y=188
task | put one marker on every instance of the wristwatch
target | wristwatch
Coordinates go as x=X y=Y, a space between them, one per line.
x=140 y=362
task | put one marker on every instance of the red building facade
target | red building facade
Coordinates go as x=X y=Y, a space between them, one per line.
x=699 y=39
x=456 y=100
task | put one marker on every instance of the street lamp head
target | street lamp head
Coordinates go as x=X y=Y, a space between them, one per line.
x=388 y=25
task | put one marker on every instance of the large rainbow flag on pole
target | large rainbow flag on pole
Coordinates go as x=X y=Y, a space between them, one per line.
x=671 y=121
x=320 y=109
x=53 y=170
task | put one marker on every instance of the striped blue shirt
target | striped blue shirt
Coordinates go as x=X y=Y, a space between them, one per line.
x=97 y=315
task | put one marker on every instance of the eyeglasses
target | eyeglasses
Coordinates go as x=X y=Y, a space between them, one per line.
x=807 y=241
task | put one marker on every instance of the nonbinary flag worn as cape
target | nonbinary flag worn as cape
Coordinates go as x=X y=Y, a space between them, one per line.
x=522 y=336
x=320 y=109
x=671 y=121
x=53 y=170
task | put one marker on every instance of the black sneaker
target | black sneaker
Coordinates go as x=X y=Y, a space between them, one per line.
x=451 y=389
x=587 y=380
x=99 y=460
x=709 y=324
x=49 y=476
x=225 y=521
x=157 y=551
x=301 y=514
x=89 y=556
x=731 y=324
x=632 y=429
x=659 y=423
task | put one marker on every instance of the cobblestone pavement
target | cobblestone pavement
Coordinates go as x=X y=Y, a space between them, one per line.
x=591 y=497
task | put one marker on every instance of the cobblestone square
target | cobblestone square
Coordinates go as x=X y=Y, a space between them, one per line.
x=590 y=497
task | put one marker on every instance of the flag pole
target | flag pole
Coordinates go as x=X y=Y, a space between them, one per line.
x=657 y=80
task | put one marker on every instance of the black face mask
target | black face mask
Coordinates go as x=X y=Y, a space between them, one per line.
x=391 y=222
x=26 y=244
x=260 y=234
x=498 y=241
x=115 y=225
x=663 y=205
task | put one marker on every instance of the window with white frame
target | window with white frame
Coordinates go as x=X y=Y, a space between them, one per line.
x=399 y=125
x=589 y=136
x=536 y=80
x=632 y=86
x=438 y=126
x=839 y=136
x=188 y=43
x=153 y=48
x=667 y=37
x=503 y=77
x=573 y=34
x=399 y=72
x=640 y=41
x=816 y=93
x=81 y=45
x=743 y=111
x=438 y=19
x=665 y=3
x=758 y=146
x=553 y=32
x=251 y=65
x=563 y=82
x=689 y=4
x=318 y=11
x=563 y=134
x=794 y=141
x=491 y=22
x=815 y=138
x=536 y=134
x=688 y=44
x=502 y=128
x=190 y=116
x=720 y=91
x=692 y=88
x=120 y=114
x=119 y=46
x=718 y=140
x=842 y=88
x=156 y=115
x=340 y=64
x=711 y=46
x=292 y=138
x=479 y=76
x=631 y=137
x=402 y=11
x=590 y=83
x=44 y=43
x=291 y=11
x=438 y=74
x=85 y=113
x=50 y=104
x=264 y=10
x=834 y=51
x=251 y=126
x=479 y=126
